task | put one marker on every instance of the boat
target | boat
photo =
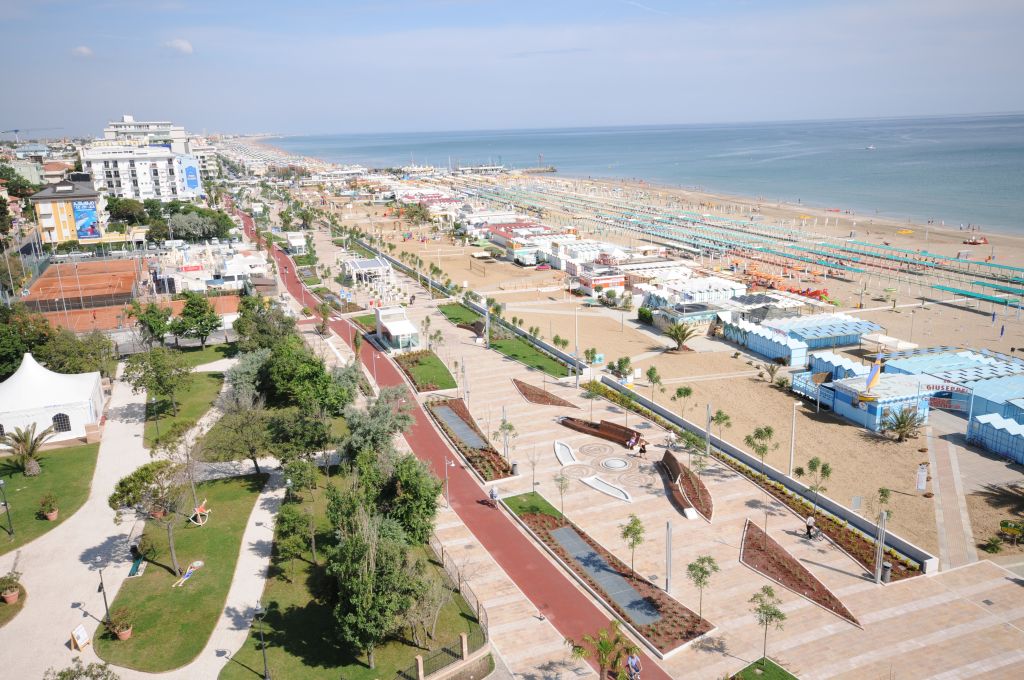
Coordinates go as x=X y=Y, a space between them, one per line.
x=976 y=241
x=869 y=147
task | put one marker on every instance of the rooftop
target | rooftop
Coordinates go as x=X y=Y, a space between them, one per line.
x=65 y=190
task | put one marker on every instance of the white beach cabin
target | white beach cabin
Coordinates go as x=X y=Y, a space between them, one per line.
x=72 y=404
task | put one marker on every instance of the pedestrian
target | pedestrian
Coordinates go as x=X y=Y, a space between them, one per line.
x=494 y=496
x=809 y=522
x=633 y=666
x=643 y=448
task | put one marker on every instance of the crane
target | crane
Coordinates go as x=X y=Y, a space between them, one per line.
x=16 y=131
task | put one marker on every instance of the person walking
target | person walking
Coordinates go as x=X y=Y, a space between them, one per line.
x=494 y=497
x=643 y=448
x=809 y=523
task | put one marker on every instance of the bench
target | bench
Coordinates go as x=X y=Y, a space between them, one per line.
x=605 y=430
x=1011 y=529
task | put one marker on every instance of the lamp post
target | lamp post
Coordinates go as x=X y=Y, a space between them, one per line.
x=792 y=439
x=258 y=615
x=7 y=508
x=374 y=356
x=913 y=313
x=103 y=589
x=447 y=464
x=576 y=354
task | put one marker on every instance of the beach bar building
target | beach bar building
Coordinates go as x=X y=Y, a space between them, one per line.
x=1003 y=436
x=769 y=343
x=869 y=408
x=394 y=329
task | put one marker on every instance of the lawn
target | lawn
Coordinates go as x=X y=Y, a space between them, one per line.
x=9 y=611
x=67 y=473
x=770 y=671
x=457 y=313
x=521 y=350
x=197 y=356
x=531 y=502
x=368 y=322
x=172 y=625
x=192 y=404
x=299 y=624
x=426 y=370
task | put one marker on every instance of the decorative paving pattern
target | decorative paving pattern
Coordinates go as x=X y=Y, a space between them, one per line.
x=635 y=479
x=577 y=471
x=615 y=463
x=594 y=449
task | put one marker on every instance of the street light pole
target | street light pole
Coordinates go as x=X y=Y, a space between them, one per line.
x=447 y=464
x=576 y=366
x=792 y=440
x=258 y=615
x=7 y=507
x=103 y=589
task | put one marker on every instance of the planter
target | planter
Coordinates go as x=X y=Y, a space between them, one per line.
x=51 y=516
x=11 y=596
x=123 y=634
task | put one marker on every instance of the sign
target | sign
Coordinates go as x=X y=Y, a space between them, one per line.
x=922 y=476
x=190 y=268
x=957 y=389
x=191 y=177
x=79 y=638
x=86 y=224
x=947 y=404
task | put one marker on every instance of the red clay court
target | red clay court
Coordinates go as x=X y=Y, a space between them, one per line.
x=78 y=285
x=116 y=316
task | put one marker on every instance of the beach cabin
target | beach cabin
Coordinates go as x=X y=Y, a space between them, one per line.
x=395 y=331
x=766 y=342
x=820 y=331
x=894 y=392
x=1003 y=436
x=838 y=367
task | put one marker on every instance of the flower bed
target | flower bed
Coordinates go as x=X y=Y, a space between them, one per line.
x=677 y=625
x=486 y=461
x=775 y=562
x=536 y=395
x=854 y=543
x=426 y=371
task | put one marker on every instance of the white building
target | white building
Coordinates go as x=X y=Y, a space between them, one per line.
x=206 y=155
x=72 y=404
x=143 y=172
x=368 y=270
x=395 y=330
x=296 y=242
x=152 y=132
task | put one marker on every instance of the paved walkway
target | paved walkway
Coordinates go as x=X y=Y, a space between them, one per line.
x=956 y=540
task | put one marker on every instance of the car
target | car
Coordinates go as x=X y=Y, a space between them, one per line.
x=152 y=246
x=543 y=267
x=214 y=241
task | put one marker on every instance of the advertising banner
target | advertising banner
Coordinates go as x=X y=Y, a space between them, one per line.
x=191 y=177
x=86 y=223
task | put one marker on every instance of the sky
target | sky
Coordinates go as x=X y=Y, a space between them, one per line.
x=308 y=67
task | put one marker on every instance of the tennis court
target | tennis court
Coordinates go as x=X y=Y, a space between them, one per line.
x=84 y=285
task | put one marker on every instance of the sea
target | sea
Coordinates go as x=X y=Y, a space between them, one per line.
x=965 y=170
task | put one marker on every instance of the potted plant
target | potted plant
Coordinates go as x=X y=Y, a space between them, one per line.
x=48 y=506
x=10 y=587
x=121 y=622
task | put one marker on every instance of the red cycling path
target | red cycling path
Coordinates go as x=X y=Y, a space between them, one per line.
x=571 y=612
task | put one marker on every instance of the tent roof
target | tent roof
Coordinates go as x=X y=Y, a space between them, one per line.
x=35 y=386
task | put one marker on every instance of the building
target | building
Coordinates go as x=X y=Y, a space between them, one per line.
x=597 y=279
x=394 y=329
x=143 y=172
x=149 y=133
x=55 y=171
x=296 y=242
x=70 y=211
x=205 y=155
x=30 y=170
x=35 y=395
x=32 y=152
x=374 y=270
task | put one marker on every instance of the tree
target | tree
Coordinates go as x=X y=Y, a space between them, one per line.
x=25 y=445
x=563 y=486
x=261 y=324
x=722 y=419
x=682 y=394
x=621 y=367
x=21 y=331
x=607 y=648
x=767 y=612
x=506 y=432
x=761 y=442
x=65 y=352
x=160 y=372
x=590 y=394
x=654 y=378
x=324 y=311
x=771 y=368
x=126 y=210
x=632 y=532
x=242 y=432
x=198 y=318
x=154 y=489
x=680 y=333
x=293 y=375
x=300 y=474
x=589 y=354
x=699 y=572
x=244 y=377
x=818 y=473
x=17 y=186
x=153 y=321
x=904 y=423
x=884 y=496
x=410 y=498
x=79 y=671
x=376 y=580
x=298 y=433
x=374 y=428
x=154 y=208
x=191 y=226
x=357 y=343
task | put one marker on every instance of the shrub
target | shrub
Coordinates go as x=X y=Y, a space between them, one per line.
x=121 y=619
x=10 y=581
x=645 y=315
x=993 y=545
x=48 y=503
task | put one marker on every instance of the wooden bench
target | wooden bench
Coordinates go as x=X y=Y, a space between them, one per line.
x=669 y=466
x=605 y=430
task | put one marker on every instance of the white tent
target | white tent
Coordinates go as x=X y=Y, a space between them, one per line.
x=886 y=343
x=35 y=394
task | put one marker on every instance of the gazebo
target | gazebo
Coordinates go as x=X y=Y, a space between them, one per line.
x=72 y=404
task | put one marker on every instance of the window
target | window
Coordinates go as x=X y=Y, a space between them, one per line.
x=2 y=432
x=61 y=423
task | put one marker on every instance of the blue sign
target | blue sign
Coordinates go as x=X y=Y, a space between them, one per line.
x=86 y=224
x=191 y=177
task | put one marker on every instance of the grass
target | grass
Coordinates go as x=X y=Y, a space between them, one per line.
x=368 y=322
x=770 y=671
x=172 y=625
x=9 y=611
x=196 y=356
x=192 y=404
x=457 y=313
x=299 y=624
x=67 y=473
x=521 y=350
x=311 y=280
x=427 y=371
x=529 y=503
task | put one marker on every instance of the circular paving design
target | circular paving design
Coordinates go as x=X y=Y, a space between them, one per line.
x=635 y=479
x=614 y=464
x=578 y=471
x=595 y=449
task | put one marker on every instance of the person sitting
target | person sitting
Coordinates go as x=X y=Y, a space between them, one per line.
x=633 y=667
x=631 y=442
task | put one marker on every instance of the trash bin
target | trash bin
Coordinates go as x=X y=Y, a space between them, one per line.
x=515 y=469
x=886 y=572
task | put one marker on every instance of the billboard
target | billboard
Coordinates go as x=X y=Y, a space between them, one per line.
x=190 y=174
x=86 y=223
x=191 y=177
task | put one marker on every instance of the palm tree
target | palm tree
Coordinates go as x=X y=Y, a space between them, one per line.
x=607 y=648
x=819 y=473
x=682 y=394
x=771 y=368
x=722 y=419
x=25 y=445
x=680 y=333
x=903 y=423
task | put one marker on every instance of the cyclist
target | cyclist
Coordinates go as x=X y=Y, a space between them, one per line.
x=809 y=523
x=633 y=667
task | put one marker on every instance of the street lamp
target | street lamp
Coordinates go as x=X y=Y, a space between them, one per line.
x=258 y=615
x=103 y=589
x=447 y=464
x=792 y=440
x=7 y=507
x=374 y=358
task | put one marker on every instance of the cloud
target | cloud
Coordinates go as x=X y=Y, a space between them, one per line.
x=550 y=53
x=82 y=51
x=180 y=45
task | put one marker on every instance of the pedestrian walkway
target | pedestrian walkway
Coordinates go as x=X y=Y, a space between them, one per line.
x=956 y=540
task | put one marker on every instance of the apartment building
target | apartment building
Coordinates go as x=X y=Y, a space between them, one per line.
x=143 y=172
